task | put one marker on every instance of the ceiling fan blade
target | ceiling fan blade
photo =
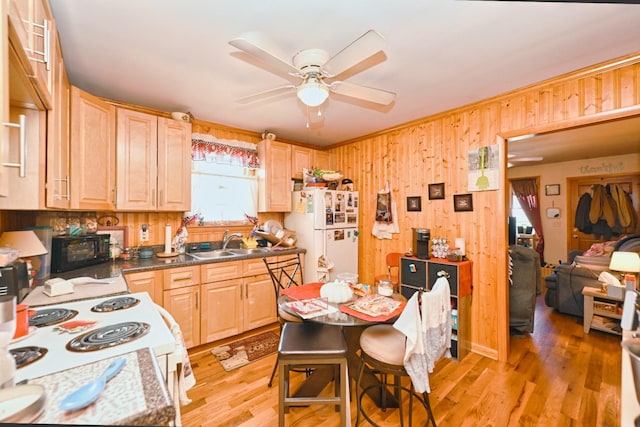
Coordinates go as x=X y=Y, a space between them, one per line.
x=271 y=93
x=249 y=43
x=365 y=93
x=527 y=159
x=362 y=48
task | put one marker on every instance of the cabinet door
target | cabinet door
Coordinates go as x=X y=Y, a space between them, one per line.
x=174 y=165
x=323 y=160
x=57 y=191
x=31 y=34
x=221 y=314
x=274 y=183
x=136 y=164
x=301 y=157
x=184 y=306
x=146 y=281
x=259 y=305
x=93 y=152
x=26 y=192
x=4 y=97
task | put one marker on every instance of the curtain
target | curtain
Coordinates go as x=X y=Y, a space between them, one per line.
x=526 y=190
x=208 y=148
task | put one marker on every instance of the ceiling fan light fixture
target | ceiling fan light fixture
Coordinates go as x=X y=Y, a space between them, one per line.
x=312 y=92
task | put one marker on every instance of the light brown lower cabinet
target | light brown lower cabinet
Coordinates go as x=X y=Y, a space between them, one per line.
x=181 y=298
x=150 y=282
x=212 y=301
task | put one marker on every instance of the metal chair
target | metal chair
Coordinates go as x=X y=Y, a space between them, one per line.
x=393 y=267
x=382 y=350
x=285 y=272
x=312 y=345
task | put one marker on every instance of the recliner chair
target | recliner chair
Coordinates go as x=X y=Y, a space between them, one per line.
x=525 y=283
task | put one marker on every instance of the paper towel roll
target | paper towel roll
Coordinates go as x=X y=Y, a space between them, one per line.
x=459 y=243
x=167 y=239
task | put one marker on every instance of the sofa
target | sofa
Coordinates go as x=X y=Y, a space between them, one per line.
x=525 y=284
x=564 y=285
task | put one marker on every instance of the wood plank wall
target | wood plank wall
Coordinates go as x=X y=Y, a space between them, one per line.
x=434 y=150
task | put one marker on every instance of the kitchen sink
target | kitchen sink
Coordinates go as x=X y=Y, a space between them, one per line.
x=249 y=251
x=226 y=253
x=212 y=254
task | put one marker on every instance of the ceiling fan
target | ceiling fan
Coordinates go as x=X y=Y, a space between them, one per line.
x=513 y=158
x=317 y=70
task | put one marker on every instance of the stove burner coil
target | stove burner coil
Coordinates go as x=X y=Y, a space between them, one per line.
x=108 y=336
x=27 y=355
x=51 y=316
x=115 y=304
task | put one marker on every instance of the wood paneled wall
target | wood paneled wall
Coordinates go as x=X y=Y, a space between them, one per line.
x=434 y=150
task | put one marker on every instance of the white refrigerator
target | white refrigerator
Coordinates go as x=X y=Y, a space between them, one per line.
x=326 y=225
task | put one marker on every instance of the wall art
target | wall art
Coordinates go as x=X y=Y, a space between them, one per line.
x=436 y=191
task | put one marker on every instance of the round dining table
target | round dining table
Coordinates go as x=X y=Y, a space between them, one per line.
x=352 y=323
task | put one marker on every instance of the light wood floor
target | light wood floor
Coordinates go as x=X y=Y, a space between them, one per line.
x=557 y=376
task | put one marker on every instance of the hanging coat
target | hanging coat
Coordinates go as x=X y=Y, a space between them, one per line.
x=582 y=221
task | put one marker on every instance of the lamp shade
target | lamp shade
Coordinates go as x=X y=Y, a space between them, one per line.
x=312 y=92
x=25 y=242
x=628 y=262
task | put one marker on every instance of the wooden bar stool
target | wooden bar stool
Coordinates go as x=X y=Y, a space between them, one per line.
x=382 y=350
x=312 y=345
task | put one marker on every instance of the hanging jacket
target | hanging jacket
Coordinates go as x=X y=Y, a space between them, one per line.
x=619 y=198
x=582 y=221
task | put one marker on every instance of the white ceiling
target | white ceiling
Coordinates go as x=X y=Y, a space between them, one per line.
x=174 y=55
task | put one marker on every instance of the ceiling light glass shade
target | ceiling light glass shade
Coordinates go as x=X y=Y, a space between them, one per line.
x=312 y=93
x=628 y=262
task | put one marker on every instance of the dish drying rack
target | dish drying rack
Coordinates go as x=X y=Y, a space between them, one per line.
x=286 y=238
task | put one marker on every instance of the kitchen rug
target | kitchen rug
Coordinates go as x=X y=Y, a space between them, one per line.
x=246 y=350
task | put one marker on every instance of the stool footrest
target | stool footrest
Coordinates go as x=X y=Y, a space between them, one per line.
x=305 y=401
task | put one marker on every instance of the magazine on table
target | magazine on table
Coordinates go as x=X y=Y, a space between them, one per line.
x=375 y=305
x=311 y=307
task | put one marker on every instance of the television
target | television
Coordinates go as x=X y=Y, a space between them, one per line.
x=512 y=230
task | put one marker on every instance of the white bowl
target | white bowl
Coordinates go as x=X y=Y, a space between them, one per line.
x=182 y=117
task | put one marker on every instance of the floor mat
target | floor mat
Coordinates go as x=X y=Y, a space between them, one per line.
x=244 y=351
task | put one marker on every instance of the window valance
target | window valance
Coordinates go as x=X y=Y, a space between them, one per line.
x=208 y=148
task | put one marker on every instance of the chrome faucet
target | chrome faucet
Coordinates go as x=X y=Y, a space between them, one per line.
x=226 y=240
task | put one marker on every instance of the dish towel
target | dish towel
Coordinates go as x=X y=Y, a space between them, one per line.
x=415 y=357
x=385 y=229
x=184 y=377
x=436 y=322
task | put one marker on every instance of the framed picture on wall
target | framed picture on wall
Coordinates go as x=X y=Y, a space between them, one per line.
x=117 y=232
x=463 y=202
x=436 y=191
x=414 y=204
x=552 y=190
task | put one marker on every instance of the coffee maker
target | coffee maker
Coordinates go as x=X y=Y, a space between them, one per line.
x=421 y=238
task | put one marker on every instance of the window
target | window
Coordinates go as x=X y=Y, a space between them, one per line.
x=518 y=212
x=223 y=193
x=224 y=183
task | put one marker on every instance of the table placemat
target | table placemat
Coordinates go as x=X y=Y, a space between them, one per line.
x=346 y=308
x=306 y=291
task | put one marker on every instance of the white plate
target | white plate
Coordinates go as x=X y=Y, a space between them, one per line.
x=32 y=330
x=22 y=403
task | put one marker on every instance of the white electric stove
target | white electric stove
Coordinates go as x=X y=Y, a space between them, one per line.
x=137 y=324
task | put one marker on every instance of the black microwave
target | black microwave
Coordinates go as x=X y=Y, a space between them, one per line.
x=71 y=252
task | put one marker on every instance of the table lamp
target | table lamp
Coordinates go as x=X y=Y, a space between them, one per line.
x=627 y=263
x=28 y=245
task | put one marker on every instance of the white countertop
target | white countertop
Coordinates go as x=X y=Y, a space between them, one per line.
x=117 y=286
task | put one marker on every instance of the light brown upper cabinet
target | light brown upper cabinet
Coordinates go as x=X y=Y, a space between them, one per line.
x=303 y=157
x=32 y=35
x=93 y=152
x=274 y=180
x=153 y=162
x=58 y=161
